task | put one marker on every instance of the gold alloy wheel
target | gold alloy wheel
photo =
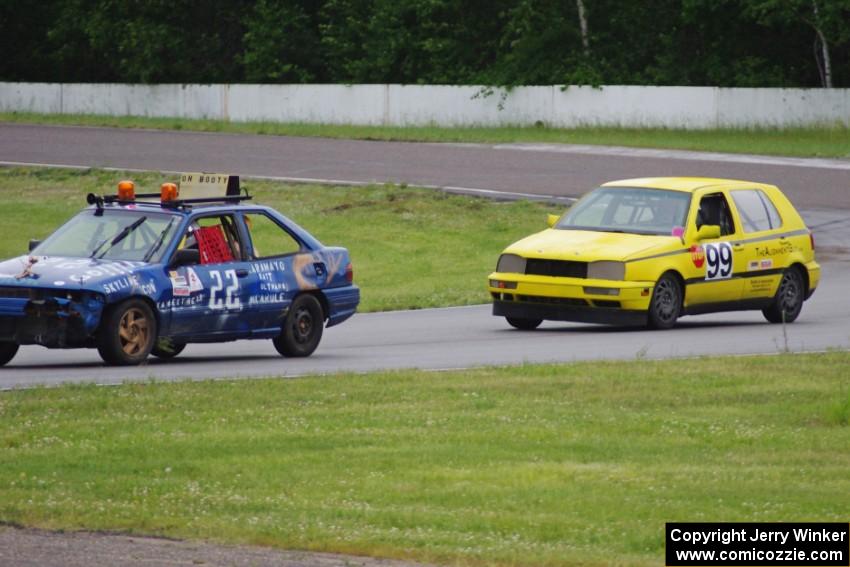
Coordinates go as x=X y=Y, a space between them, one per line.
x=133 y=331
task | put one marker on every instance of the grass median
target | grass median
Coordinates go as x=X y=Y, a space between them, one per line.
x=411 y=248
x=532 y=465
x=823 y=141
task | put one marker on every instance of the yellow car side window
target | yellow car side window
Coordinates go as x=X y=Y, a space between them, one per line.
x=756 y=211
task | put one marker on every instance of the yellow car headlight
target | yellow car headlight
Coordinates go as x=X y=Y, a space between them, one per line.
x=606 y=270
x=511 y=264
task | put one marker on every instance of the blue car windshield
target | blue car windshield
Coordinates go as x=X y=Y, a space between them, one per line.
x=629 y=210
x=119 y=234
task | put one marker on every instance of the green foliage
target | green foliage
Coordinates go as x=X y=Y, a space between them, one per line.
x=827 y=18
x=493 y=42
x=147 y=42
x=409 y=41
x=282 y=43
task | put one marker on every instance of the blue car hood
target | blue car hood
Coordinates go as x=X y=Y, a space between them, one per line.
x=69 y=273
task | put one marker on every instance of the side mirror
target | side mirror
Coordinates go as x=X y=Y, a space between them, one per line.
x=552 y=220
x=185 y=257
x=34 y=244
x=708 y=231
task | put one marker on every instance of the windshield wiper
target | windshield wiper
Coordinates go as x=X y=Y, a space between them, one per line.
x=158 y=242
x=118 y=238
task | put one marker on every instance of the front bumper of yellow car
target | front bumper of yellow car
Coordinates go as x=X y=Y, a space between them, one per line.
x=570 y=299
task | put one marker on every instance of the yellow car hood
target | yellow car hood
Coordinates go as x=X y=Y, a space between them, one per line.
x=588 y=246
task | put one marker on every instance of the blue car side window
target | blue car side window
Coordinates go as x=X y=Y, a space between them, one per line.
x=268 y=238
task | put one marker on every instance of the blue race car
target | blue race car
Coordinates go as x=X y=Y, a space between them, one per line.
x=132 y=277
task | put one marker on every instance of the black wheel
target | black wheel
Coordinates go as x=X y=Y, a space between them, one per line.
x=7 y=352
x=166 y=348
x=789 y=298
x=523 y=324
x=302 y=329
x=666 y=304
x=127 y=333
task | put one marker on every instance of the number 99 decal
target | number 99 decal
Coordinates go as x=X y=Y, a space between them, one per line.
x=718 y=260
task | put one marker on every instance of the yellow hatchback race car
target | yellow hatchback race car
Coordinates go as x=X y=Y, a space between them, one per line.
x=647 y=251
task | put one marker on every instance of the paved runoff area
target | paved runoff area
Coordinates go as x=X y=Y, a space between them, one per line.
x=37 y=548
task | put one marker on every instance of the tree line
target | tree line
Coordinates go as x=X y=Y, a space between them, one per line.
x=734 y=43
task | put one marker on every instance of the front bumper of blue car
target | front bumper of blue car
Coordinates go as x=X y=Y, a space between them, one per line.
x=51 y=318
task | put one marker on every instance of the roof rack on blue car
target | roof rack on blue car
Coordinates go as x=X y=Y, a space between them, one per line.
x=197 y=188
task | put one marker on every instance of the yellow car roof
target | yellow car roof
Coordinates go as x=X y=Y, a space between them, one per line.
x=687 y=184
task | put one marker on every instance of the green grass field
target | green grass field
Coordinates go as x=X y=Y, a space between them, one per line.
x=411 y=248
x=826 y=141
x=534 y=465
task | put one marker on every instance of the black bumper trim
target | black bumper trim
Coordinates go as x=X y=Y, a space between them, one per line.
x=555 y=312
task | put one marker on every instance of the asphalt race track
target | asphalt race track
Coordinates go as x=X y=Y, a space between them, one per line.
x=462 y=337
x=454 y=337
x=534 y=169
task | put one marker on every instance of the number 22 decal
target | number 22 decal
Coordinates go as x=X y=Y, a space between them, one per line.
x=229 y=301
x=718 y=260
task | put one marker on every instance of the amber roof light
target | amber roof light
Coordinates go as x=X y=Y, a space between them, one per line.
x=168 y=192
x=127 y=190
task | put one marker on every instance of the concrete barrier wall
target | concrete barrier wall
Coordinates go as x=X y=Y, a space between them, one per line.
x=418 y=105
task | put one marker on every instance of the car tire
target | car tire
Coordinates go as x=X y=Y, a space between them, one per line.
x=127 y=333
x=523 y=324
x=302 y=329
x=167 y=348
x=788 y=301
x=666 y=304
x=8 y=351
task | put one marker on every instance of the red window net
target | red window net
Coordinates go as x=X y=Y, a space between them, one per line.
x=212 y=245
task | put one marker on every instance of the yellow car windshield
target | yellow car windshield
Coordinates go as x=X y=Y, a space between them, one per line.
x=629 y=210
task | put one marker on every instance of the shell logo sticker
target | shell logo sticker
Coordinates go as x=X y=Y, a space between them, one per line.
x=697 y=256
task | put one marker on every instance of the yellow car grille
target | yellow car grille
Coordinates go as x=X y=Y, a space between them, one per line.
x=557 y=268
